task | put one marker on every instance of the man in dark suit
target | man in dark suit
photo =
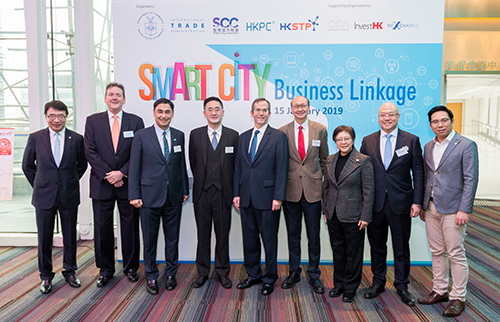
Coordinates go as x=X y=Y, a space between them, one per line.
x=260 y=177
x=399 y=182
x=158 y=186
x=212 y=151
x=53 y=162
x=308 y=146
x=108 y=138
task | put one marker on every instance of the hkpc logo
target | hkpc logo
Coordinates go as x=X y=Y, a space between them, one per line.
x=310 y=25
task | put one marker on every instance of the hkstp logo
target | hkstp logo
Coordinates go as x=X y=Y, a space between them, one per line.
x=150 y=25
x=226 y=26
x=300 y=26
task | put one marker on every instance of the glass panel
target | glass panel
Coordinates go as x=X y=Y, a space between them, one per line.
x=103 y=40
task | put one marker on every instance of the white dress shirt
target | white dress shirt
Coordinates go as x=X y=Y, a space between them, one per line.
x=61 y=140
x=383 y=140
x=259 y=137
x=112 y=120
x=218 y=134
x=439 y=148
x=159 y=135
x=305 y=130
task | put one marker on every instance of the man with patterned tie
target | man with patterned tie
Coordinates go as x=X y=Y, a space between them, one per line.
x=53 y=162
x=260 y=177
x=308 y=146
x=399 y=185
x=108 y=138
x=212 y=151
x=158 y=185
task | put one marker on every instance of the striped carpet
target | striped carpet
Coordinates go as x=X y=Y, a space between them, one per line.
x=121 y=300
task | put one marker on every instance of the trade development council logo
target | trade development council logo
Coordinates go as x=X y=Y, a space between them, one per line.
x=150 y=25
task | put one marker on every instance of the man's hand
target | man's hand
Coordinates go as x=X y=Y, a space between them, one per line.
x=185 y=197
x=461 y=218
x=114 y=176
x=415 y=210
x=236 y=202
x=118 y=184
x=136 y=203
x=362 y=224
x=422 y=215
x=276 y=205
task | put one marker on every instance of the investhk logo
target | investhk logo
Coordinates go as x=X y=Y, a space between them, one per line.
x=300 y=26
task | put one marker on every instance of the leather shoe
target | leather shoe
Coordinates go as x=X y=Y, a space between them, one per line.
x=72 y=280
x=247 y=282
x=433 y=298
x=454 y=308
x=317 y=286
x=225 y=282
x=152 y=287
x=267 y=289
x=336 y=292
x=46 y=287
x=373 y=291
x=348 y=298
x=406 y=297
x=132 y=275
x=171 y=283
x=291 y=280
x=200 y=281
x=103 y=281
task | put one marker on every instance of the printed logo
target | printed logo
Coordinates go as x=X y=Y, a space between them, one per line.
x=226 y=26
x=338 y=25
x=150 y=25
x=187 y=25
x=300 y=26
x=368 y=26
x=259 y=26
x=400 y=25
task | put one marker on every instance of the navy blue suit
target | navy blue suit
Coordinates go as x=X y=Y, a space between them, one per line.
x=257 y=184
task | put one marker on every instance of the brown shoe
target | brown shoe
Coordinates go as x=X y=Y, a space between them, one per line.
x=454 y=308
x=433 y=298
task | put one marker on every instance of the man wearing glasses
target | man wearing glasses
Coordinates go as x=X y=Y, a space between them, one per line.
x=308 y=146
x=399 y=182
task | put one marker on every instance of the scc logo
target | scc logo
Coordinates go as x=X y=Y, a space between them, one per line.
x=226 y=22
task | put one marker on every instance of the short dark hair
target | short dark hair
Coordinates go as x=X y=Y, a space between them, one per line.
x=257 y=100
x=344 y=128
x=57 y=105
x=163 y=101
x=211 y=99
x=114 y=84
x=440 y=108
x=308 y=104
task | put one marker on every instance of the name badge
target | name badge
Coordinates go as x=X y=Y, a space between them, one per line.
x=316 y=142
x=177 y=148
x=403 y=151
x=229 y=149
x=128 y=134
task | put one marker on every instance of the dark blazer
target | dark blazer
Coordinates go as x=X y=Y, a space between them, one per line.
x=149 y=171
x=198 y=149
x=46 y=178
x=351 y=196
x=101 y=155
x=403 y=179
x=264 y=179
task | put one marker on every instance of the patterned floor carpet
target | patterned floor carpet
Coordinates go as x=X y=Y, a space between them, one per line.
x=121 y=300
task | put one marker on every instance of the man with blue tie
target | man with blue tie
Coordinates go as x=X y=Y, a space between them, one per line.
x=260 y=177
x=53 y=162
x=158 y=185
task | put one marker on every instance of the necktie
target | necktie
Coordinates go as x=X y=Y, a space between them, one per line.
x=115 y=132
x=57 y=150
x=302 y=148
x=166 y=149
x=214 y=140
x=388 y=151
x=253 y=147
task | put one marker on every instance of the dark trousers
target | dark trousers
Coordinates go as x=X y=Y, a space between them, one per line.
x=347 y=244
x=400 y=233
x=150 y=222
x=45 y=220
x=211 y=207
x=293 y=218
x=104 y=238
x=257 y=224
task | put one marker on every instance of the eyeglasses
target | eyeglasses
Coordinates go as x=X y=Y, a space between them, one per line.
x=301 y=106
x=390 y=115
x=60 y=117
x=261 y=110
x=340 y=140
x=442 y=121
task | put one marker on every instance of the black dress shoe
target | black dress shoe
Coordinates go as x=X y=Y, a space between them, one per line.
x=103 y=281
x=316 y=285
x=291 y=280
x=348 y=298
x=200 y=281
x=171 y=283
x=46 y=287
x=225 y=282
x=152 y=287
x=373 y=291
x=406 y=297
x=132 y=275
x=72 y=280
x=267 y=289
x=336 y=292
x=247 y=282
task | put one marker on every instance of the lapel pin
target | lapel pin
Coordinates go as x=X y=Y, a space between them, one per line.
x=69 y=137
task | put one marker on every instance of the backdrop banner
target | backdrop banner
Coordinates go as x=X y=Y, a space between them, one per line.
x=6 y=163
